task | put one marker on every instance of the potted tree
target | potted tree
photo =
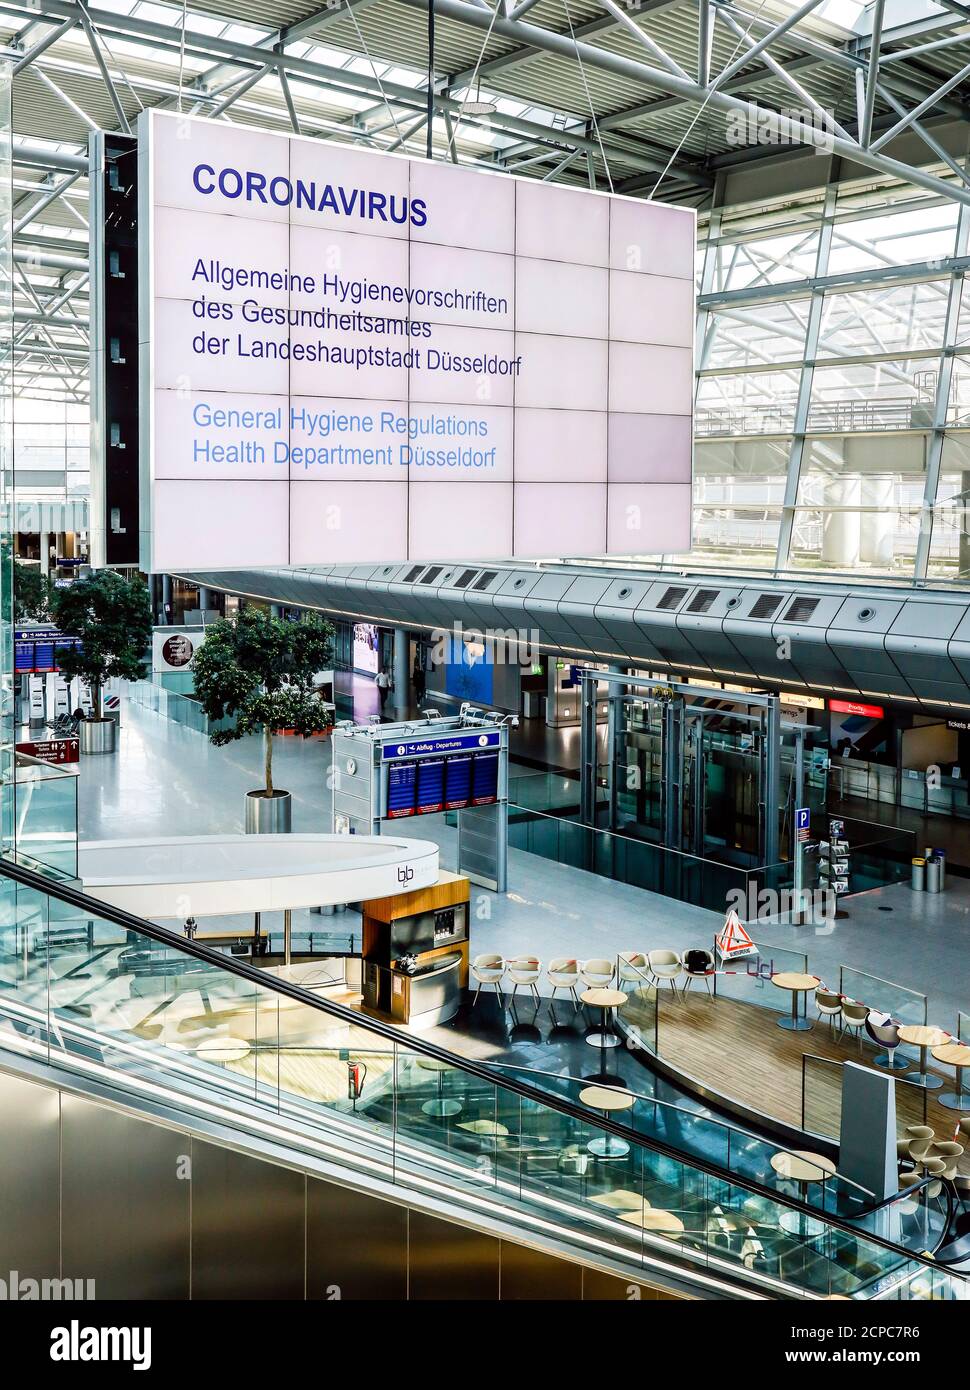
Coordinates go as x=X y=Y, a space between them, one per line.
x=259 y=670
x=31 y=593
x=112 y=616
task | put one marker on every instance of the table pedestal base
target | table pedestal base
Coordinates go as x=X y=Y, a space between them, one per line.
x=926 y=1079
x=795 y=1025
x=603 y=1040
x=891 y=1062
x=955 y=1100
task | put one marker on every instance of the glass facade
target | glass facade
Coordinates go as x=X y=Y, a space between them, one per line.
x=833 y=383
x=38 y=802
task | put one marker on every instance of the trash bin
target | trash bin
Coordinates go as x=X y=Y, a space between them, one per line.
x=934 y=874
x=917 y=877
x=940 y=856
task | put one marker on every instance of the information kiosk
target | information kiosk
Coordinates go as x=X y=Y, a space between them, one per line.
x=389 y=772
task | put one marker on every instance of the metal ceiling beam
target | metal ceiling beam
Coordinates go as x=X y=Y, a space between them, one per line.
x=43 y=45
x=635 y=71
x=134 y=29
x=106 y=77
x=875 y=40
x=588 y=30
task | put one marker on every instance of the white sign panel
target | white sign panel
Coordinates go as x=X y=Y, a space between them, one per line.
x=350 y=356
x=173 y=649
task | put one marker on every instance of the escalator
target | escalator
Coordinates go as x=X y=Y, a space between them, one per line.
x=136 y=1011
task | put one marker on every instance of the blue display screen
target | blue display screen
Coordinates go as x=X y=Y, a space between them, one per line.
x=400 y=789
x=43 y=656
x=23 y=656
x=469 y=673
x=458 y=783
x=484 y=778
x=431 y=785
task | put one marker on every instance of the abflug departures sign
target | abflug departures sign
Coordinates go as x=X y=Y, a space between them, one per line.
x=351 y=356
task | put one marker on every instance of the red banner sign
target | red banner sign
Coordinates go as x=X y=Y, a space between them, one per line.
x=52 y=750
x=853 y=707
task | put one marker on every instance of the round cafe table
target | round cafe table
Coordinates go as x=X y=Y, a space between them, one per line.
x=924 y=1036
x=957 y=1055
x=665 y=1223
x=802 y=1167
x=797 y=984
x=607 y=1099
x=607 y=1000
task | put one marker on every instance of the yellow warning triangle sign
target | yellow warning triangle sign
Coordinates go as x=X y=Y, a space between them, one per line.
x=734 y=941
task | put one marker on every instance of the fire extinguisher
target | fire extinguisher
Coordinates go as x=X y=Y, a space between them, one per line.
x=356 y=1075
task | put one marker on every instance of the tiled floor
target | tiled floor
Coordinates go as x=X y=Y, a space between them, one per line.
x=167 y=780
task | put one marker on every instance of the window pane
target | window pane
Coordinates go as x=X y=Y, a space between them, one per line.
x=896 y=395
x=746 y=403
x=759 y=334
x=891 y=319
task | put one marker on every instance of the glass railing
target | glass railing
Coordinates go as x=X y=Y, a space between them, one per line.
x=176 y=705
x=919 y=1218
x=129 y=1004
x=822 y=1099
x=45 y=808
x=686 y=877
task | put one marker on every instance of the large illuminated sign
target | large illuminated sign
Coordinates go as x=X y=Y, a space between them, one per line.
x=349 y=356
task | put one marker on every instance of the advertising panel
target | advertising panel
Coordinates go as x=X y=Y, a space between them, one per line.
x=350 y=356
x=174 y=649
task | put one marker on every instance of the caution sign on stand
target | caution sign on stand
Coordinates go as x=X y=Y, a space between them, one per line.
x=733 y=941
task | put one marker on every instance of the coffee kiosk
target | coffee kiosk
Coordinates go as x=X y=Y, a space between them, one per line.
x=415 y=953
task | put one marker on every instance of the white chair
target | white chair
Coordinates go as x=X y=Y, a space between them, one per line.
x=854 y=1017
x=488 y=969
x=563 y=973
x=665 y=965
x=829 y=1005
x=633 y=969
x=524 y=970
x=597 y=974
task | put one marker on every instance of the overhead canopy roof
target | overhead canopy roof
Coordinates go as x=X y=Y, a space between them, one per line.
x=654 y=99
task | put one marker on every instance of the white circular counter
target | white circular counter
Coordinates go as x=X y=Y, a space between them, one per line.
x=212 y=875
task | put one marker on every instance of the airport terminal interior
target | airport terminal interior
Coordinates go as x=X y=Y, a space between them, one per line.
x=485 y=650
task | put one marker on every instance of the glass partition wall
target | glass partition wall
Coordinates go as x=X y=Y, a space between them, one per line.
x=38 y=802
x=832 y=404
x=123 y=1002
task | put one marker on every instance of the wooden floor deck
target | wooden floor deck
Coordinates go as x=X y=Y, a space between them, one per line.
x=737 y=1049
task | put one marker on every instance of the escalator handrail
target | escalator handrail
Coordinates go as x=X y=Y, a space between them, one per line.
x=874 y=1206
x=76 y=897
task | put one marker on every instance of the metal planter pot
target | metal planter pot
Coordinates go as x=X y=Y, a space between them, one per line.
x=98 y=735
x=268 y=815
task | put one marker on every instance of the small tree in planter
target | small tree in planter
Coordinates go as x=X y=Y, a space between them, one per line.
x=112 y=616
x=31 y=593
x=259 y=670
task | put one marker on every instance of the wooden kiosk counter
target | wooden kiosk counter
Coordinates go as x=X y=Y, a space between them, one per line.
x=427 y=930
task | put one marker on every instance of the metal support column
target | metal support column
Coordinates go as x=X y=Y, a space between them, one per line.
x=587 y=753
x=672 y=756
x=615 y=743
x=402 y=673
x=771 y=772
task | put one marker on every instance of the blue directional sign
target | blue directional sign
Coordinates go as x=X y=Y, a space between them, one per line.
x=439 y=744
x=802 y=818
